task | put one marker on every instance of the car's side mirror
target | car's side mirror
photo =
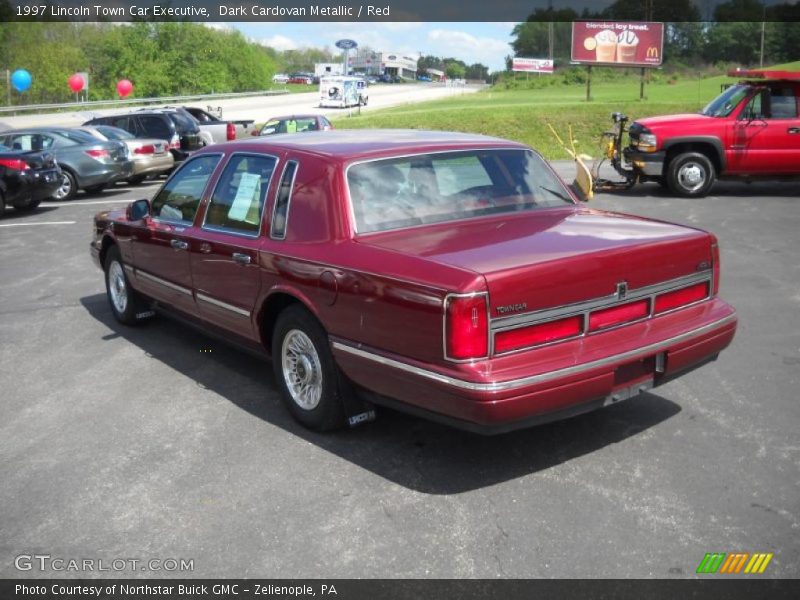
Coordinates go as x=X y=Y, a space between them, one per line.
x=138 y=210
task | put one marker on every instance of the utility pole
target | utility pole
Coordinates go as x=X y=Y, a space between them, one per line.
x=763 y=28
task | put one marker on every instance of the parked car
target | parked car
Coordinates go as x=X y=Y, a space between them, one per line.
x=280 y=78
x=751 y=130
x=26 y=178
x=180 y=129
x=86 y=163
x=450 y=275
x=233 y=129
x=149 y=155
x=294 y=124
x=302 y=79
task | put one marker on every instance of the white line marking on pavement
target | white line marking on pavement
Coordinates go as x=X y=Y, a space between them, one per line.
x=86 y=202
x=38 y=223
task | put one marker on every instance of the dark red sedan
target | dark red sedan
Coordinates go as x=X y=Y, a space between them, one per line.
x=450 y=275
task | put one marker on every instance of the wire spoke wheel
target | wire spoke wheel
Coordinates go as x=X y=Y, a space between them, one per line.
x=117 y=287
x=302 y=369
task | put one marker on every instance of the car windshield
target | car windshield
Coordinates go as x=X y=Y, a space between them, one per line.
x=114 y=133
x=723 y=105
x=431 y=188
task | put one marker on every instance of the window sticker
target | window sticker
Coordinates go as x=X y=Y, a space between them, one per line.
x=245 y=205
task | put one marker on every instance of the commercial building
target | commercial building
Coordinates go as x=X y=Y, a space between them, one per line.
x=379 y=63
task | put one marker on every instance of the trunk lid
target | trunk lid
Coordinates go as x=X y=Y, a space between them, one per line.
x=551 y=258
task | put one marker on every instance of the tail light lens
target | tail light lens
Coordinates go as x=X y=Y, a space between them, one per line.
x=15 y=164
x=681 y=297
x=525 y=337
x=231 y=132
x=99 y=154
x=466 y=331
x=175 y=142
x=616 y=315
x=146 y=149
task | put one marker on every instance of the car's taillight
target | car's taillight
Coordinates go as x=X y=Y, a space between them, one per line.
x=175 y=142
x=15 y=164
x=466 y=330
x=146 y=149
x=616 y=315
x=682 y=297
x=231 y=132
x=98 y=153
x=534 y=335
x=715 y=265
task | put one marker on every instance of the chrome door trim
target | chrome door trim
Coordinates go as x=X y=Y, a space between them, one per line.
x=225 y=305
x=164 y=282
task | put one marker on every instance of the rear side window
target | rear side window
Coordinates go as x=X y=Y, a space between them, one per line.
x=156 y=126
x=121 y=122
x=184 y=123
x=179 y=198
x=280 y=211
x=784 y=103
x=238 y=200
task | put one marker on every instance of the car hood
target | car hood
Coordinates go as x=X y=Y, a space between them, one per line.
x=654 y=123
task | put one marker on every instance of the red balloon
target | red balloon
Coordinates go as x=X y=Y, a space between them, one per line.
x=75 y=83
x=124 y=87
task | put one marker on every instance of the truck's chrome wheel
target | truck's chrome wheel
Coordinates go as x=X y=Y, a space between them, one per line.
x=302 y=370
x=117 y=288
x=692 y=176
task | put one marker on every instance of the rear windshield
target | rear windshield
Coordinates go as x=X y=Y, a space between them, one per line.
x=431 y=188
x=114 y=133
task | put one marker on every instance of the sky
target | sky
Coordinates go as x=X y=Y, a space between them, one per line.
x=486 y=43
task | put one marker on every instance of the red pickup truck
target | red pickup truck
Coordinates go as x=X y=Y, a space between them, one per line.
x=752 y=129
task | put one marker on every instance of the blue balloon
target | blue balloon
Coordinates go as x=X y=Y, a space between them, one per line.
x=21 y=80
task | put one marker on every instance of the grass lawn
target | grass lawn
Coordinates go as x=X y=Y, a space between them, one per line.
x=523 y=115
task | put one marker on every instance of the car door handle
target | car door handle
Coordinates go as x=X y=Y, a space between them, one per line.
x=205 y=248
x=179 y=244
x=242 y=259
x=793 y=130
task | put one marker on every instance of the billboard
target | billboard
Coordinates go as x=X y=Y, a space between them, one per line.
x=616 y=43
x=532 y=65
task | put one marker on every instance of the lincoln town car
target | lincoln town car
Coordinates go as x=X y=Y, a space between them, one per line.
x=449 y=275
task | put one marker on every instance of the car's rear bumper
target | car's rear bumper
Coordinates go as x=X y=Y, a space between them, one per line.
x=106 y=173
x=581 y=375
x=650 y=164
x=151 y=165
x=30 y=186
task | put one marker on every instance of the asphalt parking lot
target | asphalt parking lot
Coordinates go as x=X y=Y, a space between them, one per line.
x=160 y=443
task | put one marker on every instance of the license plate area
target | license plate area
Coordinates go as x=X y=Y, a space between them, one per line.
x=633 y=378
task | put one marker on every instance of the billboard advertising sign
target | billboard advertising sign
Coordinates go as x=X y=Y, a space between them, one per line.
x=616 y=43
x=532 y=65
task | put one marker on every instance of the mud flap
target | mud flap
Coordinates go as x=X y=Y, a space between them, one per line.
x=357 y=410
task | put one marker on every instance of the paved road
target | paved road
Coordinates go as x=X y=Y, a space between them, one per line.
x=158 y=442
x=261 y=108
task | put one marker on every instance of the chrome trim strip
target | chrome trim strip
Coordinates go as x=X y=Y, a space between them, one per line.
x=501 y=386
x=163 y=282
x=272 y=233
x=225 y=305
x=129 y=269
x=548 y=314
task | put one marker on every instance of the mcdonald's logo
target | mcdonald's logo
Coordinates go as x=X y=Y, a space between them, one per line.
x=652 y=52
x=734 y=563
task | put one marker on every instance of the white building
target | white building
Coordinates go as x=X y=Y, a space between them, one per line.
x=379 y=63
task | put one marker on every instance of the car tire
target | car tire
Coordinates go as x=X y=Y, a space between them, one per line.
x=691 y=175
x=126 y=304
x=68 y=188
x=305 y=371
x=27 y=207
x=96 y=189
